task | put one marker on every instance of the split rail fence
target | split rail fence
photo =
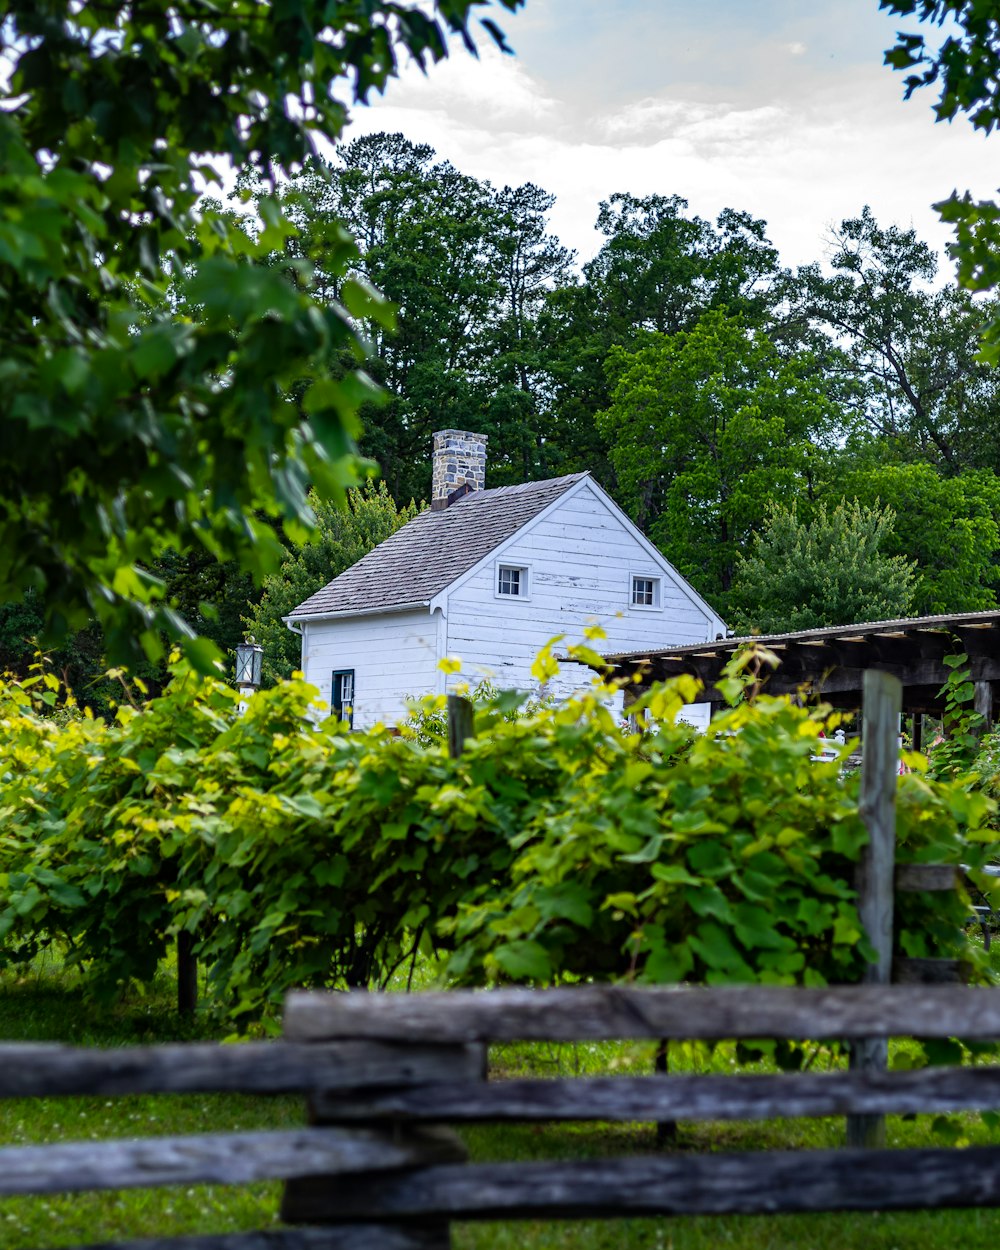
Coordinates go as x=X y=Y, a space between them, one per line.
x=388 y=1077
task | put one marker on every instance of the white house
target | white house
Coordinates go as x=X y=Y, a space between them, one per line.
x=489 y=576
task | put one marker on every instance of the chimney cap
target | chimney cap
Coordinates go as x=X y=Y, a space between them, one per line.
x=479 y=438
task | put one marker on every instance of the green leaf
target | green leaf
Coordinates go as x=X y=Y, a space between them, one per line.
x=715 y=948
x=524 y=960
x=203 y=656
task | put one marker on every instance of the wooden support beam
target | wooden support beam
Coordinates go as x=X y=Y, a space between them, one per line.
x=461 y=716
x=848 y=654
x=977 y=643
x=914 y=878
x=983 y=704
x=305 y=1196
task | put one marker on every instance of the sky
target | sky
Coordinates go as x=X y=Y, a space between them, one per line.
x=782 y=108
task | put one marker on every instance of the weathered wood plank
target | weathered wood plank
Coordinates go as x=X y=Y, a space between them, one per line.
x=431 y=1146
x=605 y=1012
x=461 y=715
x=883 y=700
x=914 y=878
x=217 y=1158
x=713 y=1184
x=983 y=704
x=679 y=1097
x=253 y=1067
x=327 y=1237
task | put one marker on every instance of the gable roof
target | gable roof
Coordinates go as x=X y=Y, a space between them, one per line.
x=431 y=551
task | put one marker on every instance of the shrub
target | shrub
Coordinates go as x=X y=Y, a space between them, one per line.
x=558 y=846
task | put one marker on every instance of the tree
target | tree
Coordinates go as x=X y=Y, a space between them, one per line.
x=906 y=356
x=208 y=593
x=949 y=526
x=659 y=270
x=530 y=263
x=467 y=267
x=831 y=570
x=706 y=429
x=129 y=431
x=344 y=535
x=965 y=65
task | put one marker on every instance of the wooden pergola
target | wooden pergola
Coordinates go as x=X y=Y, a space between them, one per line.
x=830 y=664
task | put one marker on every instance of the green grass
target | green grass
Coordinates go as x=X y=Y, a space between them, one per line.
x=47 y=1004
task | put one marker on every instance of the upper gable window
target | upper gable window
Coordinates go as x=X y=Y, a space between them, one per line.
x=645 y=591
x=512 y=580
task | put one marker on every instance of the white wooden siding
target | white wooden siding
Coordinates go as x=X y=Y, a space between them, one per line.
x=394 y=655
x=581 y=557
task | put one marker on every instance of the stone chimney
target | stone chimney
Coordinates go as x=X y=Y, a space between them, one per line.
x=459 y=466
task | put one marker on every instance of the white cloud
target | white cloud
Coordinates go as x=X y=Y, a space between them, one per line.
x=801 y=158
x=493 y=91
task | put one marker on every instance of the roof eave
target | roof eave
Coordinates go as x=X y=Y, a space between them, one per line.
x=381 y=610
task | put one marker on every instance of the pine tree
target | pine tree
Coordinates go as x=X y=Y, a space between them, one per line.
x=827 y=571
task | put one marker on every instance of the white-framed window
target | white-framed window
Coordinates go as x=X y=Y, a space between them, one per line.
x=511 y=581
x=644 y=591
x=342 y=695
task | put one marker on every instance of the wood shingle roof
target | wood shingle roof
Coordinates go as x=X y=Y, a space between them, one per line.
x=431 y=551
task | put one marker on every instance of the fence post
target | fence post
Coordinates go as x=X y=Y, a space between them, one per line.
x=187 y=974
x=460 y=716
x=883 y=697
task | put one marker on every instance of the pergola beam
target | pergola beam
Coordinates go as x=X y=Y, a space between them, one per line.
x=831 y=663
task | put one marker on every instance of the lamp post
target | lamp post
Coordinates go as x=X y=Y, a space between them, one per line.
x=249 y=662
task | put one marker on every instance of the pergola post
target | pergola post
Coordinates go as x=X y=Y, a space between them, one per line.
x=983 y=704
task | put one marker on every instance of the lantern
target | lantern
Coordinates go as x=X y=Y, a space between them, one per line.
x=249 y=660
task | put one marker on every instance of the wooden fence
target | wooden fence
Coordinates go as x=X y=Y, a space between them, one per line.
x=379 y=1166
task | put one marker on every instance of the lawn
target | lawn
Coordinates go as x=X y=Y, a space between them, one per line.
x=47 y=1004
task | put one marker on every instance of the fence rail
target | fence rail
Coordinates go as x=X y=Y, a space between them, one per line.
x=214 y=1158
x=713 y=1184
x=680 y=1097
x=611 y=1012
x=43 y=1070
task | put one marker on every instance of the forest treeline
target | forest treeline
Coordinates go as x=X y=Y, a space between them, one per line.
x=807 y=447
